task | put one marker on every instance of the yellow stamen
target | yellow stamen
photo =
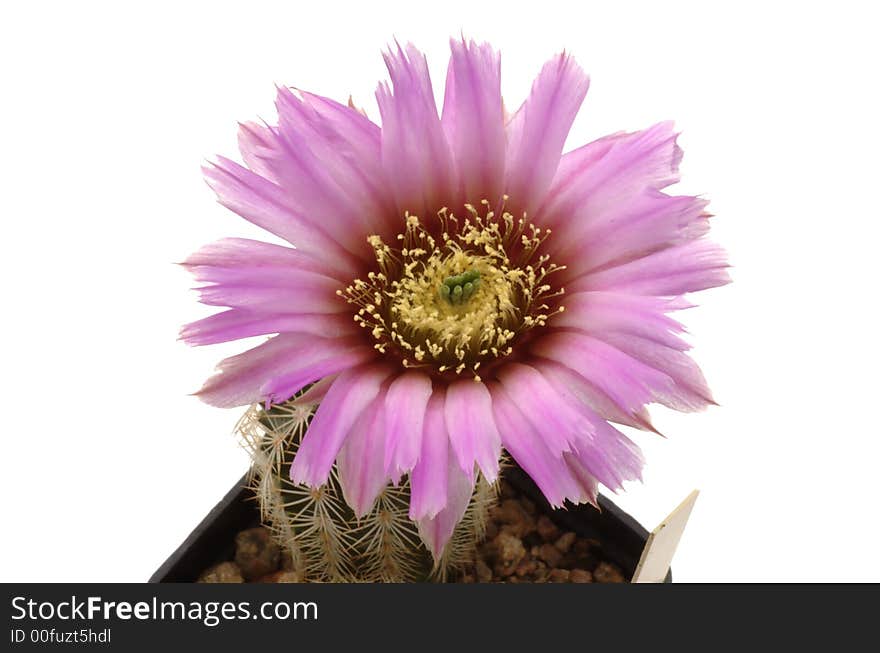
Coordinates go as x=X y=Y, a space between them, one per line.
x=457 y=300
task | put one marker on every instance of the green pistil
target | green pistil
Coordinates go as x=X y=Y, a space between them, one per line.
x=458 y=289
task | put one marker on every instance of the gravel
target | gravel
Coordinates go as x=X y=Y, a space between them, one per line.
x=521 y=546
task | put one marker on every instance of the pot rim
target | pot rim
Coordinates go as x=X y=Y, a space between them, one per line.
x=622 y=537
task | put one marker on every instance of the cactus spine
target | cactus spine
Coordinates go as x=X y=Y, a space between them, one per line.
x=324 y=539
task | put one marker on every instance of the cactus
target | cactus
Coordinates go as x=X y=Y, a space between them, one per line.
x=324 y=539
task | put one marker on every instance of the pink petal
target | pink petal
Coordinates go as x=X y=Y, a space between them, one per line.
x=272 y=291
x=605 y=453
x=327 y=177
x=627 y=381
x=265 y=278
x=415 y=152
x=574 y=164
x=312 y=365
x=694 y=266
x=547 y=469
x=609 y=456
x=537 y=132
x=589 y=484
x=246 y=253
x=557 y=424
x=652 y=222
x=599 y=312
x=268 y=206
x=631 y=229
x=405 y=404
x=256 y=144
x=436 y=531
x=473 y=118
x=316 y=392
x=350 y=394
x=689 y=391
x=241 y=323
x=565 y=379
x=361 y=473
x=430 y=476
x=240 y=378
x=596 y=179
x=472 y=431
x=360 y=138
x=568 y=426
x=602 y=450
x=315 y=131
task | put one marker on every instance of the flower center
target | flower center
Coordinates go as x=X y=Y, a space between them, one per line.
x=455 y=293
x=458 y=289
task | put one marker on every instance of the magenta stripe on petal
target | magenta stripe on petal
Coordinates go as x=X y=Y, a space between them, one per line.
x=650 y=222
x=312 y=365
x=240 y=378
x=600 y=312
x=551 y=418
x=265 y=278
x=630 y=383
x=256 y=144
x=238 y=323
x=689 y=391
x=473 y=118
x=323 y=172
x=405 y=404
x=566 y=380
x=247 y=253
x=436 y=531
x=472 y=431
x=361 y=473
x=608 y=455
x=589 y=484
x=604 y=451
x=360 y=137
x=270 y=291
x=547 y=469
x=630 y=230
x=346 y=399
x=694 y=266
x=537 y=131
x=268 y=206
x=571 y=167
x=415 y=152
x=604 y=175
x=430 y=477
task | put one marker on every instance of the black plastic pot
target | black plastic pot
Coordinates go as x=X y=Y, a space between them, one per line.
x=622 y=537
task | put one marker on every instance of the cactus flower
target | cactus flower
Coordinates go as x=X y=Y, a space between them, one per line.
x=455 y=285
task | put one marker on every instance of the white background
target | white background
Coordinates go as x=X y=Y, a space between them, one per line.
x=108 y=110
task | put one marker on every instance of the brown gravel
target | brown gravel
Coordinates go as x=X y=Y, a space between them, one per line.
x=281 y=576
x=512 y=516
x=563 y=544
x=524 y=547
x=256 y=554
x=547 y=529
x=225 y=572
x=508 y=550
x=580 y=576
x=605 y=572
x=521 y=546
x=559 y=576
